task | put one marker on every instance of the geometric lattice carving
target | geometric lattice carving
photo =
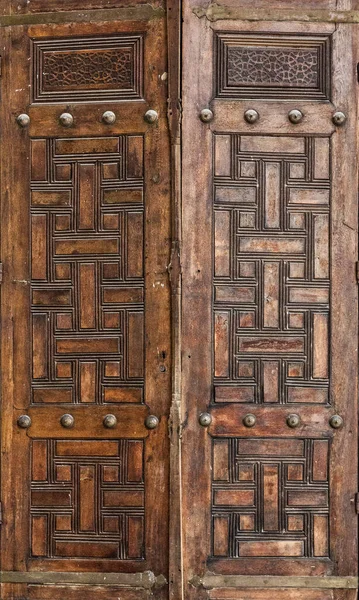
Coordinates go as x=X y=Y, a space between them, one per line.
x=87 y=499
x=263 y=66
x=271 y=269
x=270 y=498
x=87 y=289
x=84 y=69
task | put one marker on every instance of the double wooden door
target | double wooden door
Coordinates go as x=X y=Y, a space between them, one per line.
x=179 y=313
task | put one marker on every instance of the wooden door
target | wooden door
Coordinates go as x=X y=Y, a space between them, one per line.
x=85 y=309
x=269 y=303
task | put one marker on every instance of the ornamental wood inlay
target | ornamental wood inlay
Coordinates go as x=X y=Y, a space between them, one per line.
x=88 y=69
x=270 y=498
x=263 y=66
x=271 y=285
x=87 y=499
x=87 y=290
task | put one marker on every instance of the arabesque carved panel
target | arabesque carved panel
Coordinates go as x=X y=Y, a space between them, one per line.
x=87 y=69
x=273 y=66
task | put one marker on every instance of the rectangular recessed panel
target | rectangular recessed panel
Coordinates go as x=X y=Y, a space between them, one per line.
x=222 y=155
x=88 y=549
x=272 y=195
x=272 y=245
x=107 y=145
x=39 y=346
x=221 y=341
x=220 y=536
x=235 y=293
x=271 y=548
x=272 y=144
x=86 y=448
x=46 y=198
x=87 y=345
x=123 y=196
x=222 y=243
x=123 y=498
x=74 y=247
x=122 y=395
x=270 y=477
x=307 y=498
x=87 y=498
x=270 y=345
x=308 y=196
x=269 y=447
x=237 y=497
x=244 y=393
x=39 y=247
x=86 y=216
x=123 y=295
x=308 y=394
x=47 y=395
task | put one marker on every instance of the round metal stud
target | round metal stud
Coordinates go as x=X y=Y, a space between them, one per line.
x=151 y=116
x=205 y=419
x=251 y=115
x=151 y=422
x=23 y=120
x=206 y=115
x=24 y=421
x=110 y=421
x=249 y=420
x=293 y=421
x=66 y=119
x=67 y=421
x=339 y=118
x=109 y=117
x=336 y=422
x=295 y=116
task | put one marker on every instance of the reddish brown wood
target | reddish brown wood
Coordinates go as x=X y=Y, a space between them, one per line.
x=85 y=304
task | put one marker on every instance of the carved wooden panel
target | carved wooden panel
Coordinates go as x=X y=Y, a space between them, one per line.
x=87 y=499
x=270 y=497
x=278 y=66
x=84 y=69
x=271 y=269
x=87 y=291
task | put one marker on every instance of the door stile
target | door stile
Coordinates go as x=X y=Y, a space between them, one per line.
x=174 y=116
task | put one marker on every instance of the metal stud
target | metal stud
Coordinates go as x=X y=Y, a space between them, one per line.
x=24 y=421
x=109 y=117
x=66 y=119
x=339 y=118
x=336 y=421
x=110 y=421
x=23 y=120
x=206 y=115
x=293 y=421
x=205 y=419
x=251 y=115
x=295 y=116
x=249 y=420
x=151 y=116
x=151 y=422
x=67 y=421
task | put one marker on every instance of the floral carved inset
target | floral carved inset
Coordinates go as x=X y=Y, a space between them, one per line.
x=83 y=70
x=262 y=66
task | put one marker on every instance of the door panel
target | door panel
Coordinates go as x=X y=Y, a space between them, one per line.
x=85 y=304
x=269 y=282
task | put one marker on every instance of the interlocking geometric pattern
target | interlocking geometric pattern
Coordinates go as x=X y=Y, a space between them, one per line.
x=263 y=66
x=87 y=291
x=87 y=499
x=84 y=69
x=271 y=269
x=270 y=498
